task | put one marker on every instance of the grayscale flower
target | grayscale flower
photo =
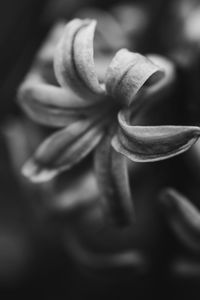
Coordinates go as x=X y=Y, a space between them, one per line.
x=90 y=114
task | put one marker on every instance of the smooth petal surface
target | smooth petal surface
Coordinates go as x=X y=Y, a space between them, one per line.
x=112 y=178
x=74 y=61
x=127 y=73
x=153 y=143
x=51 y=105
x=183 y=217
x=63 y=149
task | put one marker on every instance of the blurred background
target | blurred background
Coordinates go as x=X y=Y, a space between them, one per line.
x=34 y=260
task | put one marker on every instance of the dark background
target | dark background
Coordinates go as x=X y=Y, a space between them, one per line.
x=32 y=263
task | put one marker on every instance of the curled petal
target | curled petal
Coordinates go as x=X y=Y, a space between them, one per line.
x=112 y=178
x=46 y=105
x=153 y=143
x=160 y=87
x=127 y=73
x=183 y=217
x=74 y=61
x=51 y=105
x=63 y=149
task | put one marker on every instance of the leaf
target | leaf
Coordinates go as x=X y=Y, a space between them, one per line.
x=183 y=217
x=74 y=61
x=127 y=74
x=153 y=143
x=64 y=149
x=112 y=178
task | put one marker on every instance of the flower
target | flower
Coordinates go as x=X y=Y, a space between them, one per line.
x=100 y=114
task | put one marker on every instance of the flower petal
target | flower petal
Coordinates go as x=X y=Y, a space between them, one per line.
x=160 y=87
x=74 y=61
x=153 y=143
x=183 y=217
x=157 y=89
x=110 y=35
x=51 y=105
x=63 y=149
x=127 y=73
x=134 y=260
x=112 y=177
x=33 y=100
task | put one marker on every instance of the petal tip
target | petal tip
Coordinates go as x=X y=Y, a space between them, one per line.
x=127 y=73
x=74 y=60
x=36 y=174
x=167 y=197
